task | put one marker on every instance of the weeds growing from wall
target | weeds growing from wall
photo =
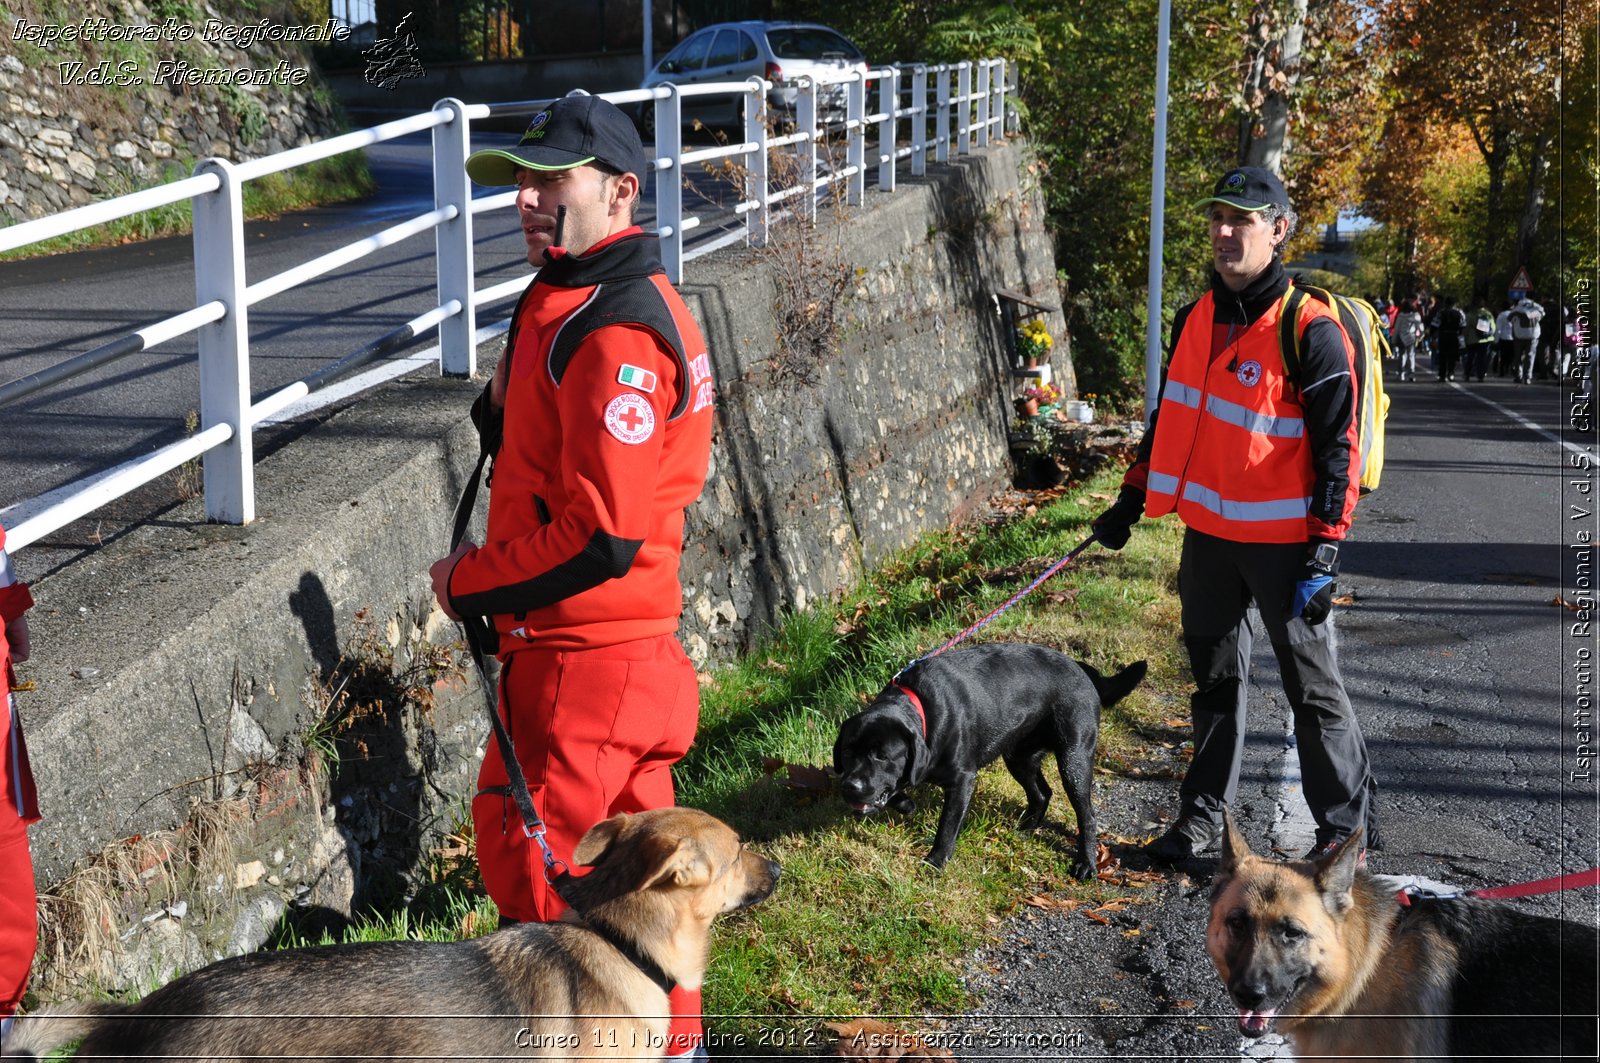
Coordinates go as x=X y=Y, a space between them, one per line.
x=811 y=276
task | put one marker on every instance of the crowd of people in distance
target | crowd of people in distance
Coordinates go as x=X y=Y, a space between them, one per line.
x=1523 y=340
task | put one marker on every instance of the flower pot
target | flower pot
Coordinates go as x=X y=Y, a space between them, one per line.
x=1030 y=407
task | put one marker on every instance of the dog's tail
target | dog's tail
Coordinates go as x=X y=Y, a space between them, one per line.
x=1119 y=686
x=36 y=1036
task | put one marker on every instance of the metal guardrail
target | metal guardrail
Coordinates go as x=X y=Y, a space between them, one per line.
x=964 y=118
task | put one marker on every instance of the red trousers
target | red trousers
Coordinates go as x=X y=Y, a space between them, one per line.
x=19 y=924
x=596 y=732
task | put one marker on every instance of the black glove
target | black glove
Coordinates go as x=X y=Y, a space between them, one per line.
x=1313 y=593
x=1113 y=526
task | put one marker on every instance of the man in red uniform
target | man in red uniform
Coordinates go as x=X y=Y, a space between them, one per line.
x=1265 y=473
x=607 y=397
x=19 y=807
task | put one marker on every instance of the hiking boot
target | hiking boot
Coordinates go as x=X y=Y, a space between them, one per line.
x=1184 y=840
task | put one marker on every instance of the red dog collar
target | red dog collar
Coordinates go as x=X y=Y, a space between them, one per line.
x=916 y=703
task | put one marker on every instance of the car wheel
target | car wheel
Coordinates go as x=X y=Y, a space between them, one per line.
x=645 y=119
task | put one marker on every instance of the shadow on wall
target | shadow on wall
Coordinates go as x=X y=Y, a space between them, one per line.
x=375 y=764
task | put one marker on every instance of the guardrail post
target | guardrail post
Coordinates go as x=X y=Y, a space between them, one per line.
x=229 y=473
x=919 y=120
x=669 y=180
x=964 y=108
x=888 y=104
x=458 y=354
x=941 y=137
x=756 y=176
x=1000 y=95
x=805 y=117
x=856 y=133
x=983 y=104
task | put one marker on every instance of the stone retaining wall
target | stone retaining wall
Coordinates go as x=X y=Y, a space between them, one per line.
x=64 y=144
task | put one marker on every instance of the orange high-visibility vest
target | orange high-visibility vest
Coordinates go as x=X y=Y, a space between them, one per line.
x=1231 y=455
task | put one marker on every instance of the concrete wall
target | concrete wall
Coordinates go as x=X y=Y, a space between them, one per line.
x=182 y=671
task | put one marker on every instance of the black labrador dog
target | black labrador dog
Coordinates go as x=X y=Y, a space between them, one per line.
x=948 y=716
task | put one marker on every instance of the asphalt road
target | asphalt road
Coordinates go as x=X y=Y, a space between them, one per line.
x=60 y=306
x=1460 y=661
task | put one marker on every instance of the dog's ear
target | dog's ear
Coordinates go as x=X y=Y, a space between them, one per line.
x=680 y=862
x=593 y=845
x=1234 y=848
x=1336 y=874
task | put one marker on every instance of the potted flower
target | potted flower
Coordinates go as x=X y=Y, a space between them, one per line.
x=1035 y=398
x=1034 y=343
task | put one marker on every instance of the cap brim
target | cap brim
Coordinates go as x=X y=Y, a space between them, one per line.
x=1251 y=207
x=492 y=166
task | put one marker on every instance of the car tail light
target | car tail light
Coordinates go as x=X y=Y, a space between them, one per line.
x=774 y=72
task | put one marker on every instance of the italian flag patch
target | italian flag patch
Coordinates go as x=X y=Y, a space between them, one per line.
x=634 y=377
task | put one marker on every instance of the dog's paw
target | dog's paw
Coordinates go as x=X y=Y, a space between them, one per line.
x=1031 y=820
x=1084 y=870
x=935 y=861
x=902 y=804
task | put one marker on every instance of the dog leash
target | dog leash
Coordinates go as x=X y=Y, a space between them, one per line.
x=1576 y=880
x=1013 y=600
x=474 y=629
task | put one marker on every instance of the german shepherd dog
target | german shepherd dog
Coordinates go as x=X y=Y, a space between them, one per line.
x=1348 y=972
x=949 y=716
x=593 y=987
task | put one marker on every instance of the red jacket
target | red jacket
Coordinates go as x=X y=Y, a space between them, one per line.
x=1234 y=454
x=16 y=779
x=607 y=438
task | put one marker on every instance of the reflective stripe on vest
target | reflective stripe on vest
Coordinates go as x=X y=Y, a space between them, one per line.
x=1231 y=455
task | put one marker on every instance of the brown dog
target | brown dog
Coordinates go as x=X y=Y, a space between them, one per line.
x=1347 y=971
x=592 y=988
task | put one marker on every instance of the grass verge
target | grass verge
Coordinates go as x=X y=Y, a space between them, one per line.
x=859 y=925
x=336 y=180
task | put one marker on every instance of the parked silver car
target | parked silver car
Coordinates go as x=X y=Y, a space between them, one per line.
x=733 y=51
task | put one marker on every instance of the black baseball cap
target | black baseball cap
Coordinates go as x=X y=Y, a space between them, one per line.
x=1249 y=188
x=572 y=131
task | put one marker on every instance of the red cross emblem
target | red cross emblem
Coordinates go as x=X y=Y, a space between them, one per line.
x=630 y=419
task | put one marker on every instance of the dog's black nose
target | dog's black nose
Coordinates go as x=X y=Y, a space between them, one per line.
x=1249 y=994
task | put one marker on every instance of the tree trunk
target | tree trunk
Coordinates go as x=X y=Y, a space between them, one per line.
x=1533 y=199
x=1277 y=89
x=1493 y=145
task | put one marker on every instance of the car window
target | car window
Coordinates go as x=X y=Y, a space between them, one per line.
x=688 y=56
x=725 y=52
x=811 y=42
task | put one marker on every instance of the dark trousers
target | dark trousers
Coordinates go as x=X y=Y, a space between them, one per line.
x=1217 y=581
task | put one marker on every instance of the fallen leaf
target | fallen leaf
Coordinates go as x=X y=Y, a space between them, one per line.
x=1185 y=1005
x=1102 y=920
x=1175 y=722
x=1558 y=600
x=1345 y=599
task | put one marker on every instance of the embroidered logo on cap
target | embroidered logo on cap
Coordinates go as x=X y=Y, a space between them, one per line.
x=535 y=128
x=630 y=419
x=1249 y=373
x=1234 y=180
x=634 y=377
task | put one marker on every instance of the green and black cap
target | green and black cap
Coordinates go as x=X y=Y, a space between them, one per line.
x=572 y=131
x=1249 y=188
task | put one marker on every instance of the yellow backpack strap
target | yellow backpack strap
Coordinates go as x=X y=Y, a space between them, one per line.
x=1289 y=333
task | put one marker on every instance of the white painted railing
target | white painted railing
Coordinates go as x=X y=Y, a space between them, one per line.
x=966 y=118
